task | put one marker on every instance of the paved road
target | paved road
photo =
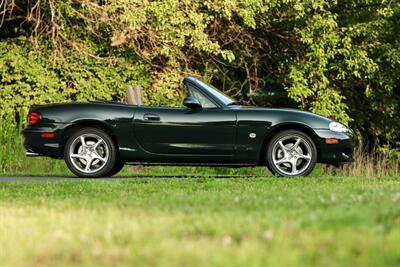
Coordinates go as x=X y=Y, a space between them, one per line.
x=73 y=178
x=53 y=179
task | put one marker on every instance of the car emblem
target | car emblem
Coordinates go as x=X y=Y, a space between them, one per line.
x=252 y=135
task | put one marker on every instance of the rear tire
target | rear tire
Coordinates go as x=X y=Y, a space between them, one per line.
x=116 y=169
x=90 y=153
x=291 y=153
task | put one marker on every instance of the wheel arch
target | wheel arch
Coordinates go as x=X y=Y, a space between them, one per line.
x=87 y=124
x=288 y=126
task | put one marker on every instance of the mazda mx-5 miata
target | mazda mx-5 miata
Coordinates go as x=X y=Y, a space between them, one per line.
x=97 y=138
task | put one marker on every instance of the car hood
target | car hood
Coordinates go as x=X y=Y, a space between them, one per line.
x=284 y=115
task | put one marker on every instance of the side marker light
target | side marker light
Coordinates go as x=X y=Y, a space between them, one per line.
x=331 y=141
x=47 y=135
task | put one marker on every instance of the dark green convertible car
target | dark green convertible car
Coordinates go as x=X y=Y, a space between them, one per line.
x=97 y=138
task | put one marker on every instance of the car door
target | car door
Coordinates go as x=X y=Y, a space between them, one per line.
x=210 y=130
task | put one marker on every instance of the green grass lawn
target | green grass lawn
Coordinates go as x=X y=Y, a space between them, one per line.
x=202 y=222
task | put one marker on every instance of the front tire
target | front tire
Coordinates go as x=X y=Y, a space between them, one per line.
x=291 y=153
x=90 y=153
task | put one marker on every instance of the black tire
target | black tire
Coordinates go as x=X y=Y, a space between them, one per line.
x=116 y=169
x=98 y=150
x=284 y=161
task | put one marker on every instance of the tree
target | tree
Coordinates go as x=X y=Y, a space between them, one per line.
x=336 y=58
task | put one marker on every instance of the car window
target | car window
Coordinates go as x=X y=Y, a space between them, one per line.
x=204 y=100
x=217 y=93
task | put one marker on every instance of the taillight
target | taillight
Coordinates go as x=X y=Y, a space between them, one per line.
x=34 y=118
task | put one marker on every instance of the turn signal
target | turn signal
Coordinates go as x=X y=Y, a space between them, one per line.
x=331 y=140
x=34 y=118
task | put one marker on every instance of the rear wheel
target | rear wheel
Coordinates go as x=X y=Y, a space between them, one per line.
x=291 y=153
x=90 y=153
x=116 y=169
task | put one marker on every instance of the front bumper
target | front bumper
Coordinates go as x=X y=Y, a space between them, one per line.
x=341 y=152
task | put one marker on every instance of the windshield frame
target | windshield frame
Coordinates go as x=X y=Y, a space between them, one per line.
x=211 y=91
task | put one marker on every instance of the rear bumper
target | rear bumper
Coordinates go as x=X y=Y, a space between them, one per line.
x=342 y=152
x=35 y=145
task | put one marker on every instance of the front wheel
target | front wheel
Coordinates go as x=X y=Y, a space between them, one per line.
x=90 y=153
x=291 y=153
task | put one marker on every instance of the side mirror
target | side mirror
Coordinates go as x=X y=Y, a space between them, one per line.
x=191 y=102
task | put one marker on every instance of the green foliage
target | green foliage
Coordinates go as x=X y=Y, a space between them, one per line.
x=348 y=58
x=336 y=58
x=30 y=77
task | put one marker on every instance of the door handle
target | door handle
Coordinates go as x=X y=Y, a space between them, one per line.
x=151 y=117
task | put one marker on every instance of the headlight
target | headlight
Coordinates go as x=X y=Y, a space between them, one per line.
x=337 y=127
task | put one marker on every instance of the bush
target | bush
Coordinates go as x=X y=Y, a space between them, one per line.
x=34 y=76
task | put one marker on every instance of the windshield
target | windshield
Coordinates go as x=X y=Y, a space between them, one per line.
x=218 y=94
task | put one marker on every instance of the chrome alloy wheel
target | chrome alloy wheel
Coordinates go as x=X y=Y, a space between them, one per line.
x=292 y=155
x=89 y=153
